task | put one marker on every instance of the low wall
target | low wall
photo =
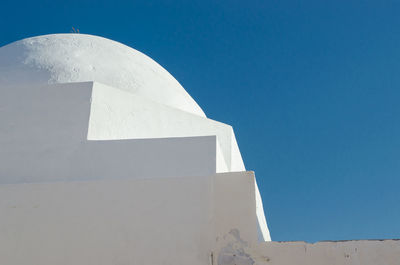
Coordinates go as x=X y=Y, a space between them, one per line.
x=354 y=252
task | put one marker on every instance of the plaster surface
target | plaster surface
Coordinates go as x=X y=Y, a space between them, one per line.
x=106 y=159
x=45 y=139
x=116 y=114
x=353 y=252
x=107 y=222
x=234 y=205
x=66 y=58
x=125 y=221
x=208 y=220
x=65 y=114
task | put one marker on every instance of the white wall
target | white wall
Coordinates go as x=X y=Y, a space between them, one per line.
x=42 y=125
x=236 y=250
x=82 y=131
x=186 y=220
x=106 y=222
x=117 y=114
x=43 y=134
x=234 y=205
x=167 y=221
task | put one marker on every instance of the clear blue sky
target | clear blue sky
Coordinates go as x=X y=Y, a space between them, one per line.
x=312 y=89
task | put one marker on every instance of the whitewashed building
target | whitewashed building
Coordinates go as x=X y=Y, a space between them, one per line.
x=106 y=159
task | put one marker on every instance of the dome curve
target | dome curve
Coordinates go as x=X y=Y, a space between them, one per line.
x=65 y=58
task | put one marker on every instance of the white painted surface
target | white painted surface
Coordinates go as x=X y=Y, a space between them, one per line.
x=110 y=222
x=116 y=114
x=125 y=221
x=263 y=231
x=66 y=58
x=43 y=138
x=46 y=127
x=189 y=220
x=134 y=209
x=234 y=205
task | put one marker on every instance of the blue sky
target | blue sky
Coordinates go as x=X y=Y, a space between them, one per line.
x=310 y=87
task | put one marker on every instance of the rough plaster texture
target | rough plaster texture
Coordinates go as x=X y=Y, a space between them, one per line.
x=355 y=252
x=66 y=58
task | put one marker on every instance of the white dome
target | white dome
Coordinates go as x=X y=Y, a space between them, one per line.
x=65 y=58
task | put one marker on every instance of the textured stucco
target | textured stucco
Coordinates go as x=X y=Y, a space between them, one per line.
x=66 y=58
x=354 y=252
